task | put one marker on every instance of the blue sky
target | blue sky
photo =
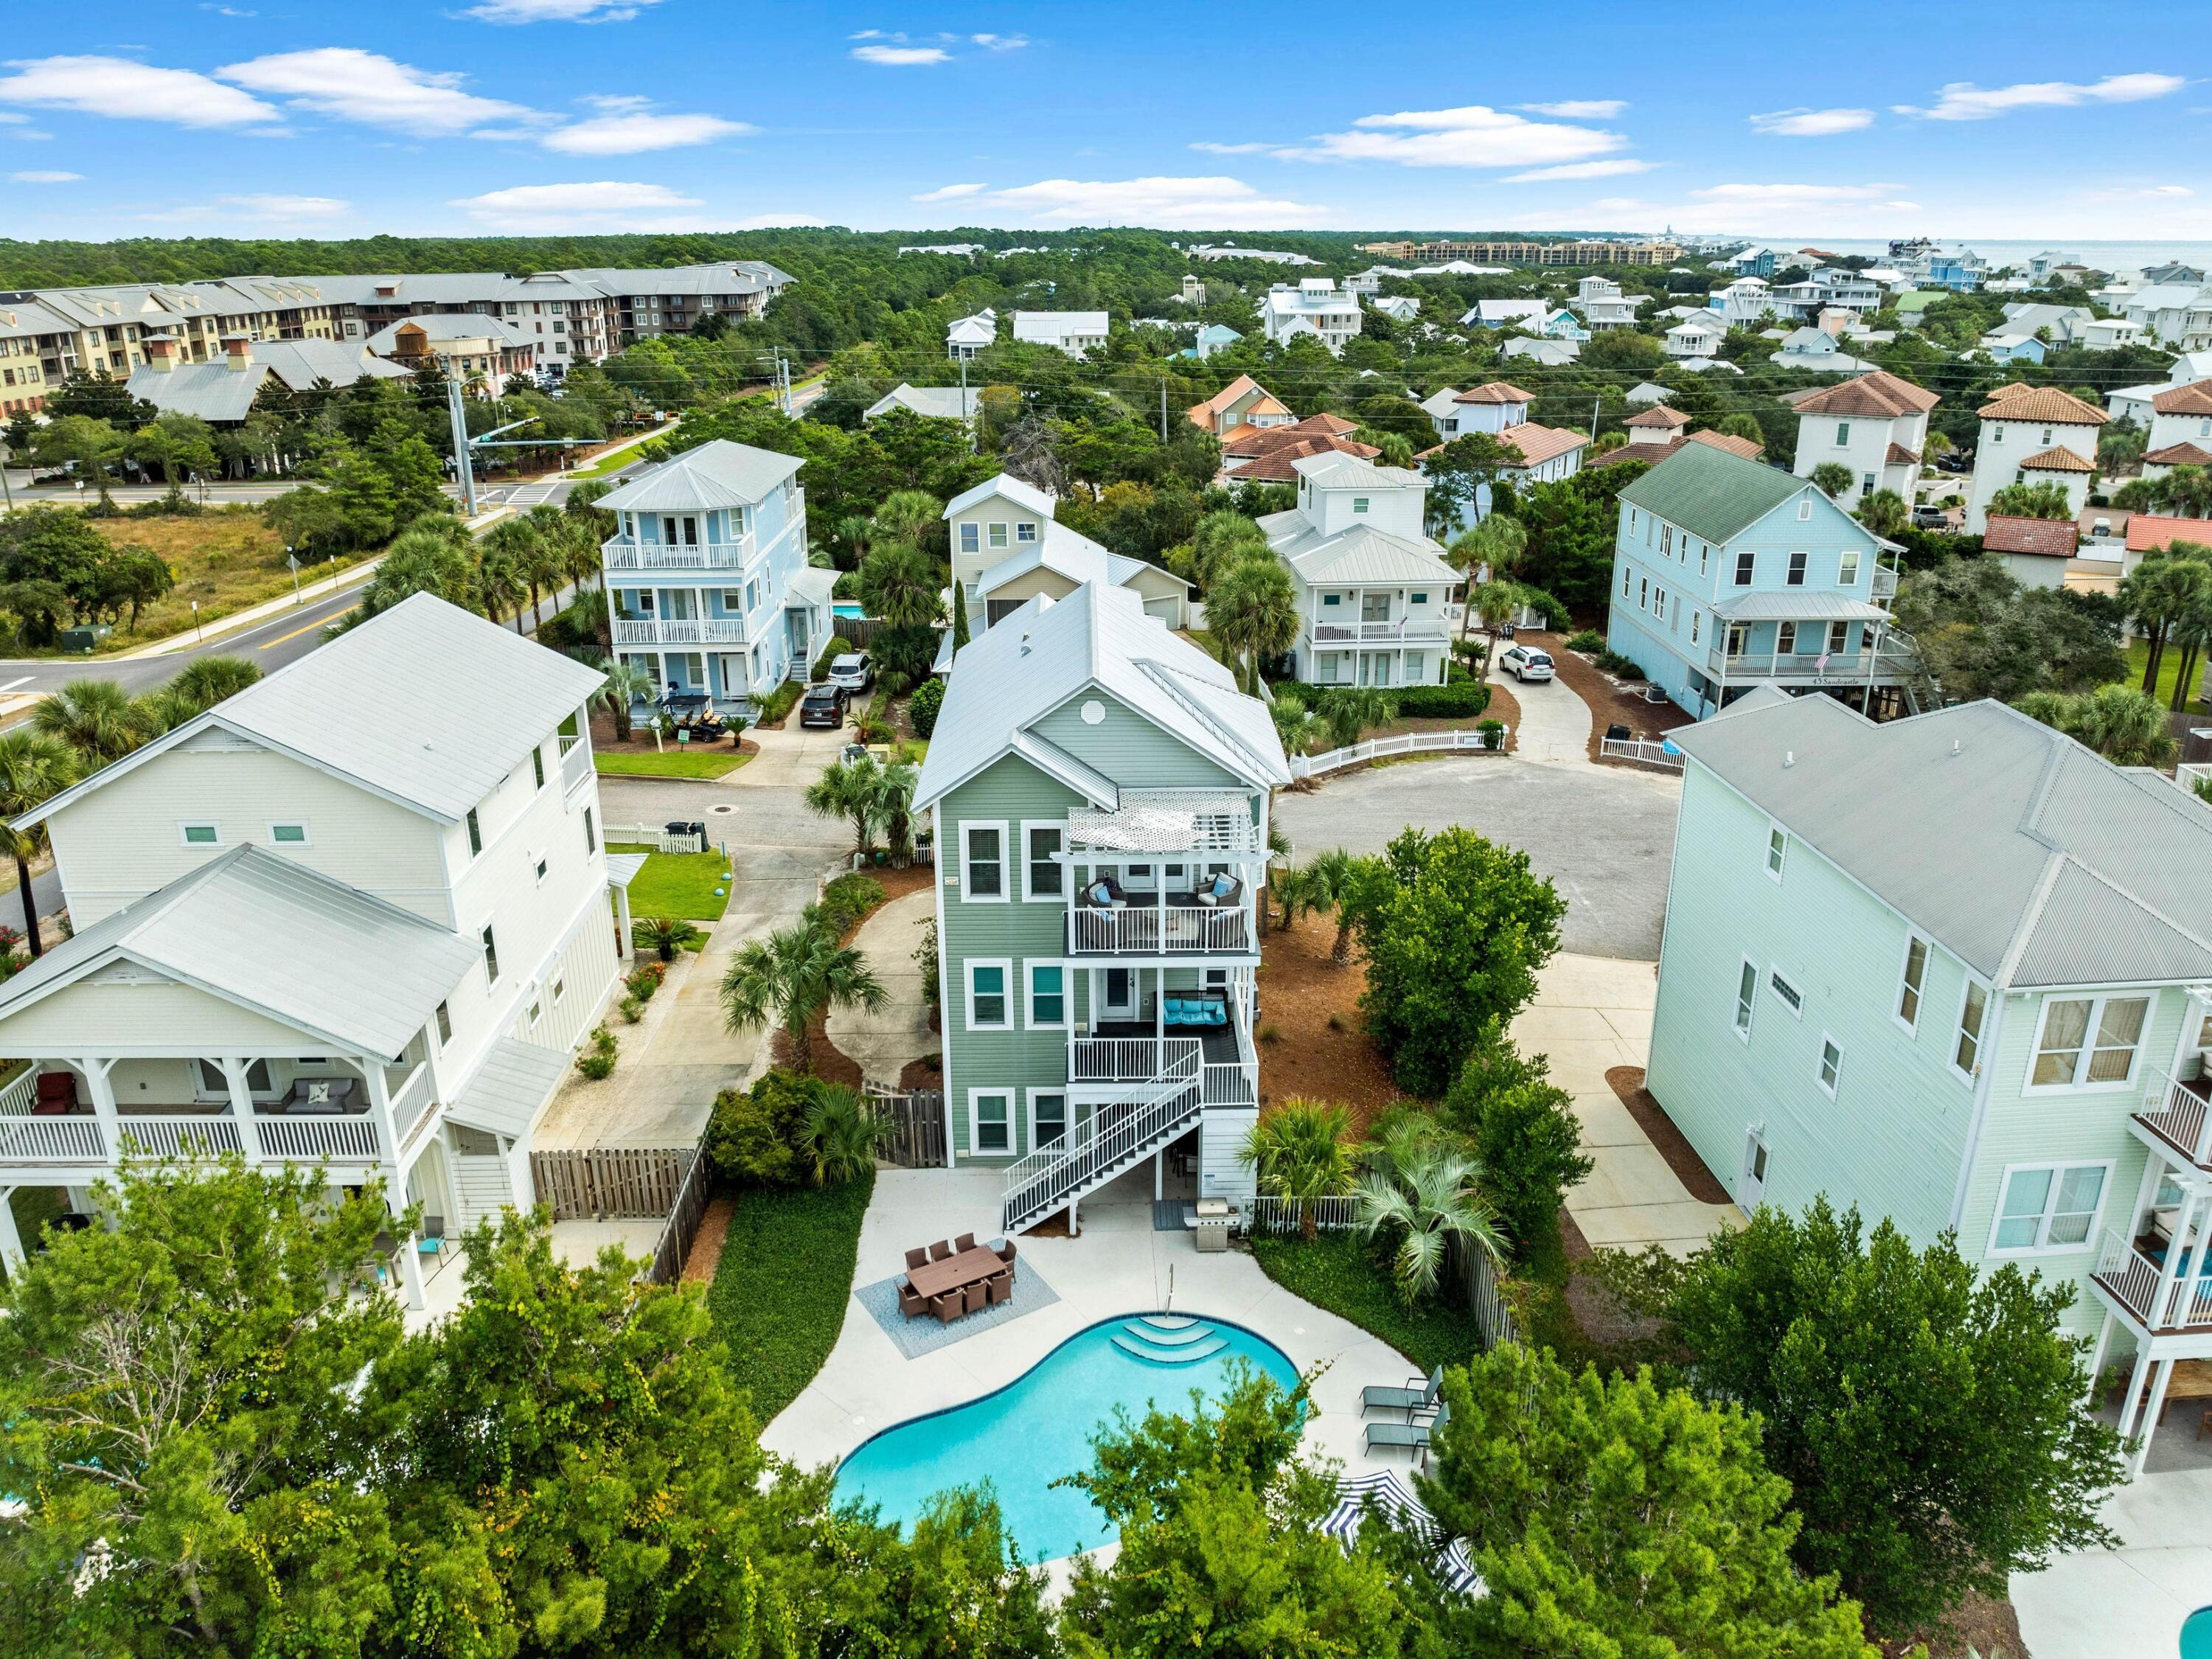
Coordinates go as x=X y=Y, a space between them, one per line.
x=528 y=116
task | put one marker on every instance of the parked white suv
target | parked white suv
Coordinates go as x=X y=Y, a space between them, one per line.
x=1527 y=663
x=854 y=672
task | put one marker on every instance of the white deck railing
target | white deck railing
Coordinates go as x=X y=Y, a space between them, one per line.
x=1152 y=930
x=350 y=1138
x=1646 y=749
x=51 y=1140
x=1130 y=1059
x=205 y=1134
x=2176 y=1115
x=1360 y=754
x=410 y=1104
x=2190 y=774
x=575 y=764
x=620 y=554
x=685 y=630
x=1421 y=629
x=1336 y=1213
x=1050 y=1178
x=2133 y=1279
x=19 y=1097
x=1229 y=1083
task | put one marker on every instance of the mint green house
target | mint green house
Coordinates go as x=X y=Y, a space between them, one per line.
x=1955 y=969
x=1099 y=790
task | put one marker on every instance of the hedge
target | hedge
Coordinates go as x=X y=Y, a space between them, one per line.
x=1461 y=700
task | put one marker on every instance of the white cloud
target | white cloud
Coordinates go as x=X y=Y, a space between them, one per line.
x=375 y=90
x=119 y=87
x=948 y=193
x=1962 y=100
x=1166 y=203
x=2146 y=193
x=1791 y=195
x=637 y=132
x=555 y=11
x=902 y=57
x=253 y=208
x=1001 y=42
x=36 y=177
x=1473 y=135
x=1231 y=149
x=1803 y=123
x=1579 y=170
x=1756 y=210
x=603 y=205
x=1579 y=109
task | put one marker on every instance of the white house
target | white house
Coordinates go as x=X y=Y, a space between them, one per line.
x=354 y=916
x=968 y=337
x=1075 y=332
x=1374 y=594
x=938 y=402
x=2033 y=435
x=1697 y=336
x=1548 y=453
x=2106 y=333
x=2177 y=315
x=1008 y=549
x=1549 y=354
x=706 y=574
x=1745 y=299
x=2181 y=430
x=1316 y=307
x=1603 y=306
x=1507 y=314
x=1402 y=307
x=1874 y=424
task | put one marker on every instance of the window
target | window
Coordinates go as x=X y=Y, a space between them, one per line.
x=537 y=865
x=1659 y=603
x=1416 y=668
x=1744 y=563
x=537 y=1010
x=2050 y=1207
x=998 y=535
x=971 y=538
x=1047 y=1119
x=1703 y=550
x=987 y=997
x=1839 y=638
x=1667 y=541
x=1359 y=503
x=1746 y=991
x=538 y=766
x=1697 y=621
x=591 y=836
x=983 y=862
x=2088 y=1041
x=1778 y=849
x=490 y=957
x=1643 y=596
x=1797 y=577
x=200 y=834
x=445 y=1024
x=990 y=1122
x=1972 y=1012
x=1831 y=1065
x=1332 y=598
x=736 y=601
x=1805 y=508
x=288 y=834
x=1786 y=638
x=560 y=990
x=1042 y=876
x=1866 y=483
x=476 y=834
x=1627 y=576
x=1996 y=434
x=1842 y=433
x=1048 y=995
x=1847 y=570
x=2046 y=435
x=1792 y=996
x=1417 y=598
x=1912 y=981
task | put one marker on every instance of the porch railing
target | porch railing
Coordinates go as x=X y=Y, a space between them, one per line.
x=2132 y=1279
x=685 y=630
x=1229 y=1083
x=1147 y=930
x=575 y=764
x=15 y=1100
x=1129 y=1059
x=411 y=1105
x=1424 y=628
x=621 y=555
x=205 y=1134
x=1042 y=1183
x=1648 y=751
x=348 y=1139
x=51 y=1140
x=2176 y=1114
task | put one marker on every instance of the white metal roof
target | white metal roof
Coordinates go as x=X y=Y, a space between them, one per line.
x=1044 y=327
x=1018 y=491
x=1798 y=604
x=1337 y=470
x=514 y=1082
x=217 y=391
x=1071 y=553
x=944 y=403
x=1362 y=553
x=716 y=474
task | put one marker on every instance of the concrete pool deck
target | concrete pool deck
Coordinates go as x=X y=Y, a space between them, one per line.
x=1118 y=1267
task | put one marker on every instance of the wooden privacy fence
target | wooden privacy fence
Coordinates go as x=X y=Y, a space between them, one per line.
x=1360 y=754
x=613 y=1183
x=913 y=1136
x=673 y=1248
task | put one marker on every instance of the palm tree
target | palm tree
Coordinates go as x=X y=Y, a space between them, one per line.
x=1831 y=478
x=850 y=789
x=1292 y=888
x=899 y=583
x=577 y=546
x=794 y=974
x=1253 y=610
x=856 y=530
x=910 y=515
x=1299 y=1151
x=1220 y=539
x=1350 y=710
x=164 y=710
x=626 y=682
x=1499 y=544
x=2188 y=490
x=1496 y=603
x=1884 y=513
x=208 y=681
x=97 y=718
x=35 y=768
x=2158 y=592
x=1297 y=725
x=842 y=1135
x=895 y=787
x=499 y=585
x=516 y=544
x=1332 y=874
x=1427 y=1198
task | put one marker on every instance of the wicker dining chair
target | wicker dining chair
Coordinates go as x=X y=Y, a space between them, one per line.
x=939 y=1251
x=911 y=1301
x=1005 y=1250
x=948 y=1307
x=965 y=1242
x=917 y=1257
x=979 y=1296
x=1000 y=1287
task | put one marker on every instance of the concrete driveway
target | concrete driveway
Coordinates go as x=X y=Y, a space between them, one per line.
x=1605 y=835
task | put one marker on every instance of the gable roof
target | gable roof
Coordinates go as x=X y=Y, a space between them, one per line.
x=941 y=403
x=2085 y=873
x=716 y=474
x=1277 y=463
x=1020 y=492
x=2010 y=533
x=1877 y=393
x=2179 y=455
x=2057 y=458
x=1658 y=417
x=1361 y=554
x=1538 y=444
x=424 y=704
x=1031 y=663
x=1242 y=386
x=439 y=326
x=1744 y=447
x=254 y=928
x=2195 y=398
x=1710 y=493
x=1071 y=553
x=217 y=391
x=2020 y=402
x=1342 y=472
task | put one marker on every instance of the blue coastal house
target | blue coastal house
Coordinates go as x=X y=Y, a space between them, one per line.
x=1729 y=573
x=707 y=576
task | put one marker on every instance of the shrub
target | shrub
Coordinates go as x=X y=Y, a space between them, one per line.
x=1493 y=734
x=598 y=1062
x=631 y=1009
x=1458 y=700
x=665 y=935
x=839 y=646
x=1588 y=640
x=921 y=708
x=757 y=1137
x=645 y=979
x=1524 y=1131
x=848 y=898
x=778 y=703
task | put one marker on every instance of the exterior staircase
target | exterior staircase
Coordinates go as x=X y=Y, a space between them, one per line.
x=1120 y=1136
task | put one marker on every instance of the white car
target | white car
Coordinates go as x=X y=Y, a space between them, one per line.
x=1527 y=663
x=854 y=672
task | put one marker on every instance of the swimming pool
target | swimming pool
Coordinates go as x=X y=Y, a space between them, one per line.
x=848 y=609
x=2197 y=1635
x=1038 y=1427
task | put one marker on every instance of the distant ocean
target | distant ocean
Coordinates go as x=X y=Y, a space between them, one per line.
x=2098 y=256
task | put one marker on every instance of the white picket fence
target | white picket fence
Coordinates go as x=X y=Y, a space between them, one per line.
x=1650 y=751
x=654 y=836
x=1287 y=1215
x=1375 y=749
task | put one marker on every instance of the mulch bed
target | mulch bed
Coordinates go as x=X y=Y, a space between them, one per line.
x=1628 y=1082
x=639 y=741
x=1991 y=1629
x=925 y=1074
x=1608 y=705
x=831 y=1065
x=1596 y=1311
x=707 y=1244
x=1312 y=1044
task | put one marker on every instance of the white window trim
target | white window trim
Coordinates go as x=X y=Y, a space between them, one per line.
x=1737 y=1005
x=1957 y=1025
x=1774 y=872
x=1029 y=1111
x=1012 y=1097
x=1005 y=965
x=305 y=838
x=2057 y=1168
x=968 y=893
x=185 y=840
x=1828 y=1040
x=1066 y=871
x=2096 y=1000
x=1029 y=994
x=1927 y=962
x=1774 y=971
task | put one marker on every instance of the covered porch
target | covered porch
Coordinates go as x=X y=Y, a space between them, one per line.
x=1165 y=873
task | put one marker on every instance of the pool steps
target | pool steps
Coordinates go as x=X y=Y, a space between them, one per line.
x=1160 y=1340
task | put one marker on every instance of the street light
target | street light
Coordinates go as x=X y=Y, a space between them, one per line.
x=196 y=634
x=293 y=565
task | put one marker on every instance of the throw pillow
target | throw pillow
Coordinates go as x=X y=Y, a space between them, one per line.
x=319 y=1094
x=1223 y=884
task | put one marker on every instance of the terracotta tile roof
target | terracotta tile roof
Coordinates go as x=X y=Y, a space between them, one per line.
x=1658 y=417
x=2008 y=533
x=1539 y=444
x=2021 y=402
x=1335 y=424
x=2149 y=529
x=1651 y=453
x=2057 y=458
x=2195 y=398
x=1899 y=455
x=1495 y=392
x=1729 y=442
x=2178 y=455
x=1274 y=465
x=1250 y=441
x=1879 y=394
x=1207 y=413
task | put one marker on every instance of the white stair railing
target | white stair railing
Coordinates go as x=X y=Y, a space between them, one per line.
x=1049 y=1179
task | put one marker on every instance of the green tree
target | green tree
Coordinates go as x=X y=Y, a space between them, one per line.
x=130 y=577
x=954 y=1585
x=1572 y=522
x=1525 y=1134
x=1218 y=540
x=97 y=718
x=794 y=974
x=2160 y=592
x=850 y=789
x=35 y=768
x=1607 y=1517
x=1884 y=513
x=1981 y=634
x=1299 y=1151
x=421 y=560
x=1349 y=710
x=900 y=583
x=1252 y=612
x=2127 y=727
x=1831 y=479
x=207 y=681
x=2033 y=500
x=627 y=684
x=91 y=446
x=1927 y=1416
x=1457 y=470
x=1422 y=1190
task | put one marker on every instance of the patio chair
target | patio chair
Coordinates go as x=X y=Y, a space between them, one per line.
x=978 y=1296
x=948 y=1307
x=965 y=1242
x=917 y=1257
x=56 y=1095
x=1000 y=1287
x=911 y=1301
x=939 y=1251
x=1419 y=1398
x=1414 y=1436
x=431 y=1239
x=1003 y=1250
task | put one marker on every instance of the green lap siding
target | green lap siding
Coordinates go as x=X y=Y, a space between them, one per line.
x=1130 y=750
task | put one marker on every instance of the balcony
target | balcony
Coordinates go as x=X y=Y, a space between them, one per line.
x=41 y=1132
x=687 y=631
x=1179 y=928
x=2134 y=1283
x=1886 y=664
x=623 y=554
x=1424 y=630
x=2174 y=1122
x=576 y=769
x=1885 y=582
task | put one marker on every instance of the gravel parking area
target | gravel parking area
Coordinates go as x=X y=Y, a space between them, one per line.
x=1606 y=837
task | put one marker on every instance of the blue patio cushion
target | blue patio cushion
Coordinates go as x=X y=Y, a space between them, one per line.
x=1224 y=886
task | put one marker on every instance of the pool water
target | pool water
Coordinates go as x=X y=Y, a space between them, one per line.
x=2197 y=1635
x=1038 y=1428
x=843 y=609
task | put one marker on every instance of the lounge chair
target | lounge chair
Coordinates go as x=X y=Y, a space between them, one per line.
x=1419 y=1398
x=948 y=1307
x=1000 y=1287
x=939 y=1251
x=911 y=1301
x=917 y=1257
x=965 y=1242
x=56 y=1095
x=1414 y=1436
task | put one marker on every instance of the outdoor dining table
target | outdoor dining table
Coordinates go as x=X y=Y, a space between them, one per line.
x=955 y=1273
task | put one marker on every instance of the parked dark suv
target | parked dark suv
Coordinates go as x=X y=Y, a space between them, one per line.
x=823 y=705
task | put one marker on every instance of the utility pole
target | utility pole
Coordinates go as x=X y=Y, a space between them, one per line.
x=975 y=416
x=463 y=461
x=1163 y=409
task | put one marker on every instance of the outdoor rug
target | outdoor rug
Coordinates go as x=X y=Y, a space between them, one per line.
x=1168 y=1213
x=924 y=1334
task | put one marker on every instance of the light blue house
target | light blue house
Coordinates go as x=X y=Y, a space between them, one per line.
x=1956 y=970
x=707 y=574
x=2013 y=348
x=1960 y=273
x=1729 y=573
x=1214 y=337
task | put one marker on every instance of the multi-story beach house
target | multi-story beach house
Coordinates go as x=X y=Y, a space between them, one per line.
x=355 y=916
x=2033 y=435
x=708 y=578
x=1099 y=791
x=1008 y=548
x=1956 y=970
x=1376 y=598
x=1874 y=426
x=1729 y=573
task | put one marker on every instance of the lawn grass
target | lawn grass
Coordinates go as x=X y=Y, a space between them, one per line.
x=675 y=762
x=779 y=1295
x=225 y=557
x=2170 y=665
x=678 y=885
x=1338 y=1272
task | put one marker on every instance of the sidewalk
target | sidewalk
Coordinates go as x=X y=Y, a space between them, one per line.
x=881 y=1042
